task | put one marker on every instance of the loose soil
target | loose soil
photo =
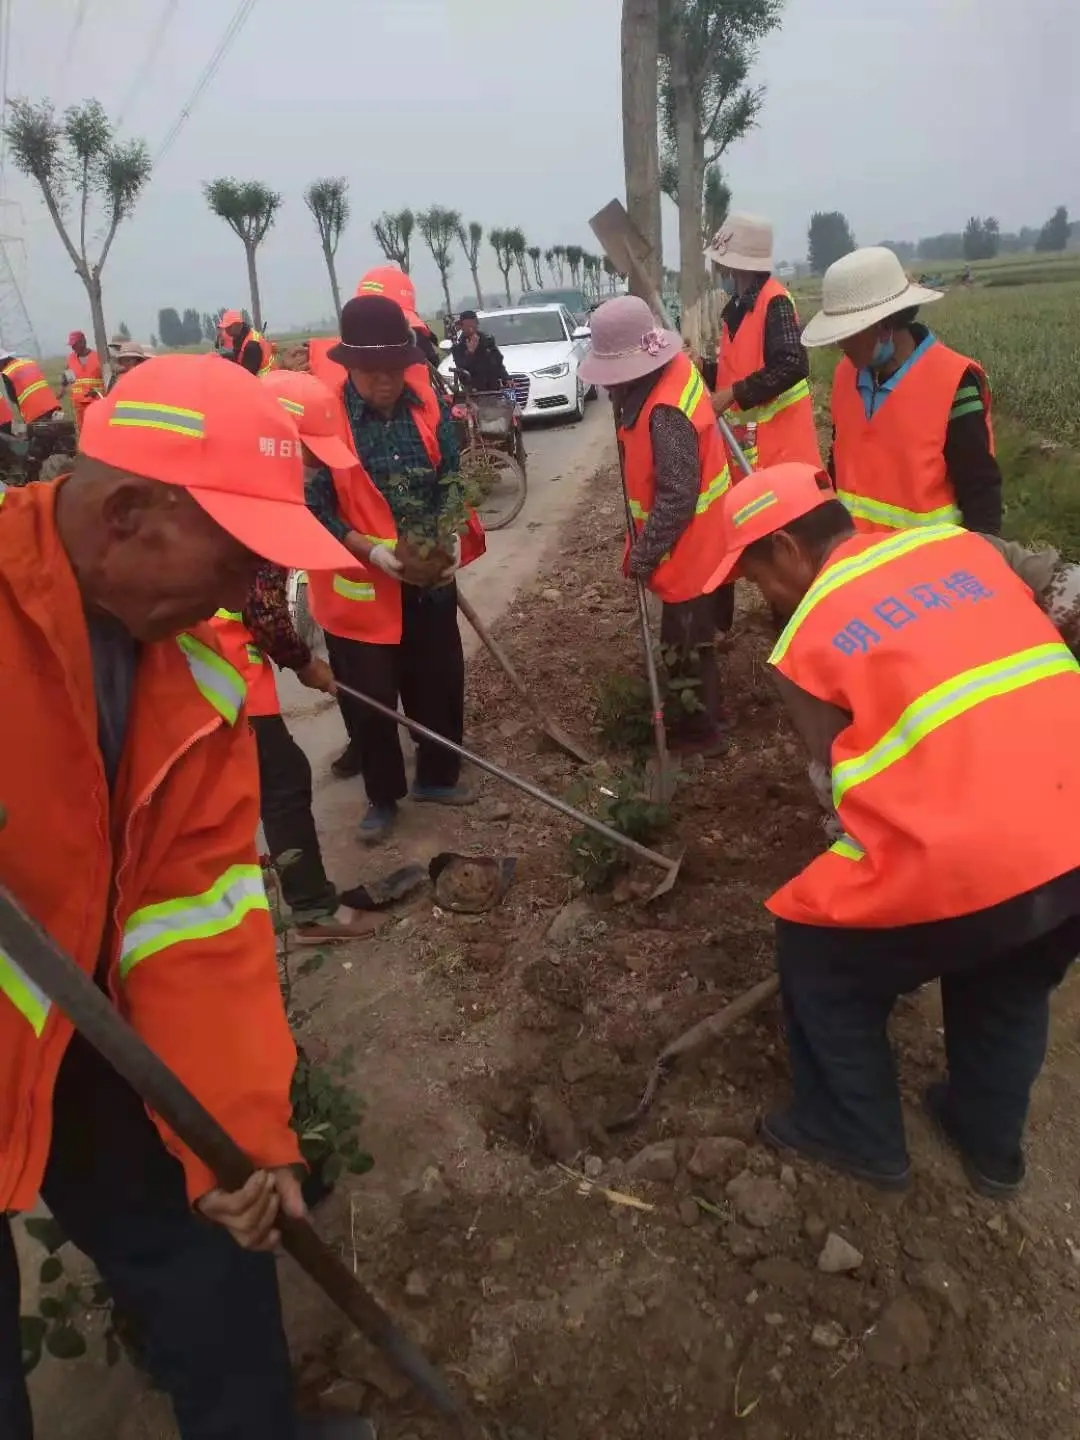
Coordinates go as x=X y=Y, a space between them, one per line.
x=490 y=1048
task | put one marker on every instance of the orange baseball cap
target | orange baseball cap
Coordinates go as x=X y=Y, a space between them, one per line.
x=230 y=317
x=388 y=280
x=215 y=431
x=764 y=503
x=316 y=414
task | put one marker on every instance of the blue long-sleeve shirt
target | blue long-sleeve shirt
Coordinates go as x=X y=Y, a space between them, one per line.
x=392 y=452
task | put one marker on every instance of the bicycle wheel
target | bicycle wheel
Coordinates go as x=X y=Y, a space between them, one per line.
x=501 y=481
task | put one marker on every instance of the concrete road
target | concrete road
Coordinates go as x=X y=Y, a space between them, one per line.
x=82 y=1400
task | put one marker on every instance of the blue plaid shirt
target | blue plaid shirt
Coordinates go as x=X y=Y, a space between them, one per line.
x=393 y=454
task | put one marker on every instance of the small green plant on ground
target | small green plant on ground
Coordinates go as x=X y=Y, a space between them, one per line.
x=624 y=706
x=621 y=802
x=55 y=1327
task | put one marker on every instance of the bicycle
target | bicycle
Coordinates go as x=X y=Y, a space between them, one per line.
x=492 y=453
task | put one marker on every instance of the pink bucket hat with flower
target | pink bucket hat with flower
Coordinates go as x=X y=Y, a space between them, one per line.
x=626 y=343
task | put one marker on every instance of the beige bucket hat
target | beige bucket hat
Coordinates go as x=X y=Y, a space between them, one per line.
x=743 y=242
x=858 y=291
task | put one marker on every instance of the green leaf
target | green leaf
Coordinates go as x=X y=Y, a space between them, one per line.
x=32 y=1330
x=65 y=1343
x=51 y=1308
x=45 y=1230
x=51 y=1270
x=360 y=1164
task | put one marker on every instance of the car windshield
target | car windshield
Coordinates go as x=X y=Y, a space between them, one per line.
x=574 y=300
x=531 y=327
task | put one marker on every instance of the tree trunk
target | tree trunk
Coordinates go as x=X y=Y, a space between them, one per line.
x=444 y=276
x=97 y=321
x=475 y=268
x=331 y=270
x=253 y=286
x=506 y=282
x=690 y=152
x=640 y=122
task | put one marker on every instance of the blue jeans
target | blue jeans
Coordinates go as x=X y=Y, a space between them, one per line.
x=209 y=1311
x=839 y=988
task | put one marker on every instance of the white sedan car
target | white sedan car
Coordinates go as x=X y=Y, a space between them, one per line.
x=542 y=345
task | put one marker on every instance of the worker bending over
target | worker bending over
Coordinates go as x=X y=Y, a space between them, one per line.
x=130 y=789
x=247 y=347
x=912 y=439
x=26 y=392
x=922 y=675
x=83 y=377
x=391 y=626
x=763 y=372
x=676 y=473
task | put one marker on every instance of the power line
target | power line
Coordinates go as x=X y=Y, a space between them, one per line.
x=5 y=66
x=16 y=330
x=213 y=65
x=157 y=39
x=72 y=40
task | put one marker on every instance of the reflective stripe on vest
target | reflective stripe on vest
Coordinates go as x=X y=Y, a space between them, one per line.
x=217 y=680
x=895 y=517
x=267 y=351
x=837 y=575
x=193 y=917
x=688 y=403
x=353 y=589
x=847 y=848
x=35 y=385
x=945 y=702
x=32 y=1004
x=251 y=650
x=762 y=414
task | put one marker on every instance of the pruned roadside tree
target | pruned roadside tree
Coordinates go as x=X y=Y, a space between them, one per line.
x=574 y=257
x=471 y=237
x=640 y=124
x=89 y=180
x=549 y=261
x=328 y=202
x=394 y=231
x=829 y=238
x=612 y=275
x=535 y=256
x=440 y=228
x=708 y=48
x=249 y=208
x=559 y=252
x=502 y=242
x=520 y=247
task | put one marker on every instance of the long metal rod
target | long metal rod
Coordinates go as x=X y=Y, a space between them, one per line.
x=57 y=976
x=517 y=781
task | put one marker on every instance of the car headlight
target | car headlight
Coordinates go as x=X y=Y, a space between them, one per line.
x=553 y=372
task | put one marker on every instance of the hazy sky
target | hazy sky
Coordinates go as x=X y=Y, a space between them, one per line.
x=909 y=117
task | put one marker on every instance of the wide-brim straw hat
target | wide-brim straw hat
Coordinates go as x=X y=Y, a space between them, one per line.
x=375 y=335
x=860 y=290
x=626 y=343
x=743 y=242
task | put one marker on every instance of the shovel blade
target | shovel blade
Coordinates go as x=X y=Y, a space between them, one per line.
x=623 y=242
x=558 y=736
x=670 y=876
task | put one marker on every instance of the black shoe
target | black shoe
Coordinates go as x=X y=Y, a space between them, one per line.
x=347 y=764
x=992 y=1179
x=334 y=1427
x=780 y=1132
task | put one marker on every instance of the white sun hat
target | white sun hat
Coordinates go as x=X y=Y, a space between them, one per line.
x=743 y=242
x=858 y=291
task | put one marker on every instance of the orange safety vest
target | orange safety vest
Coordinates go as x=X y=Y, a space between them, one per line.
x=685 y=572
x=33 y=394
x=890 y=470
x=269 y=351
x=364 y=604
x=781 y=429
x=7 y=415
x=89 y=381
x=958 y=779
x=241 y=651
x=155 y=888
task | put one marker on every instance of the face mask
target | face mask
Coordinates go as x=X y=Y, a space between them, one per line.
x=884 y=351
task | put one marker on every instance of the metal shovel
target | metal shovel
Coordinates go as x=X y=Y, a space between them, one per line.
x=669 y=866
x=551 y=728
x=57 y=976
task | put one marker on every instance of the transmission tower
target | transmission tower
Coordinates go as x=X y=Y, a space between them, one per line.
x=16 y=331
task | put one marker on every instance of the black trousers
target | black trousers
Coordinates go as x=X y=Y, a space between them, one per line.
x=839 y=988
x=427 y=672
x=209 y=1311
x=285 y=807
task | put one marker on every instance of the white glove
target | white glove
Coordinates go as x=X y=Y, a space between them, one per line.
x=384 y=559
x=455 y=563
